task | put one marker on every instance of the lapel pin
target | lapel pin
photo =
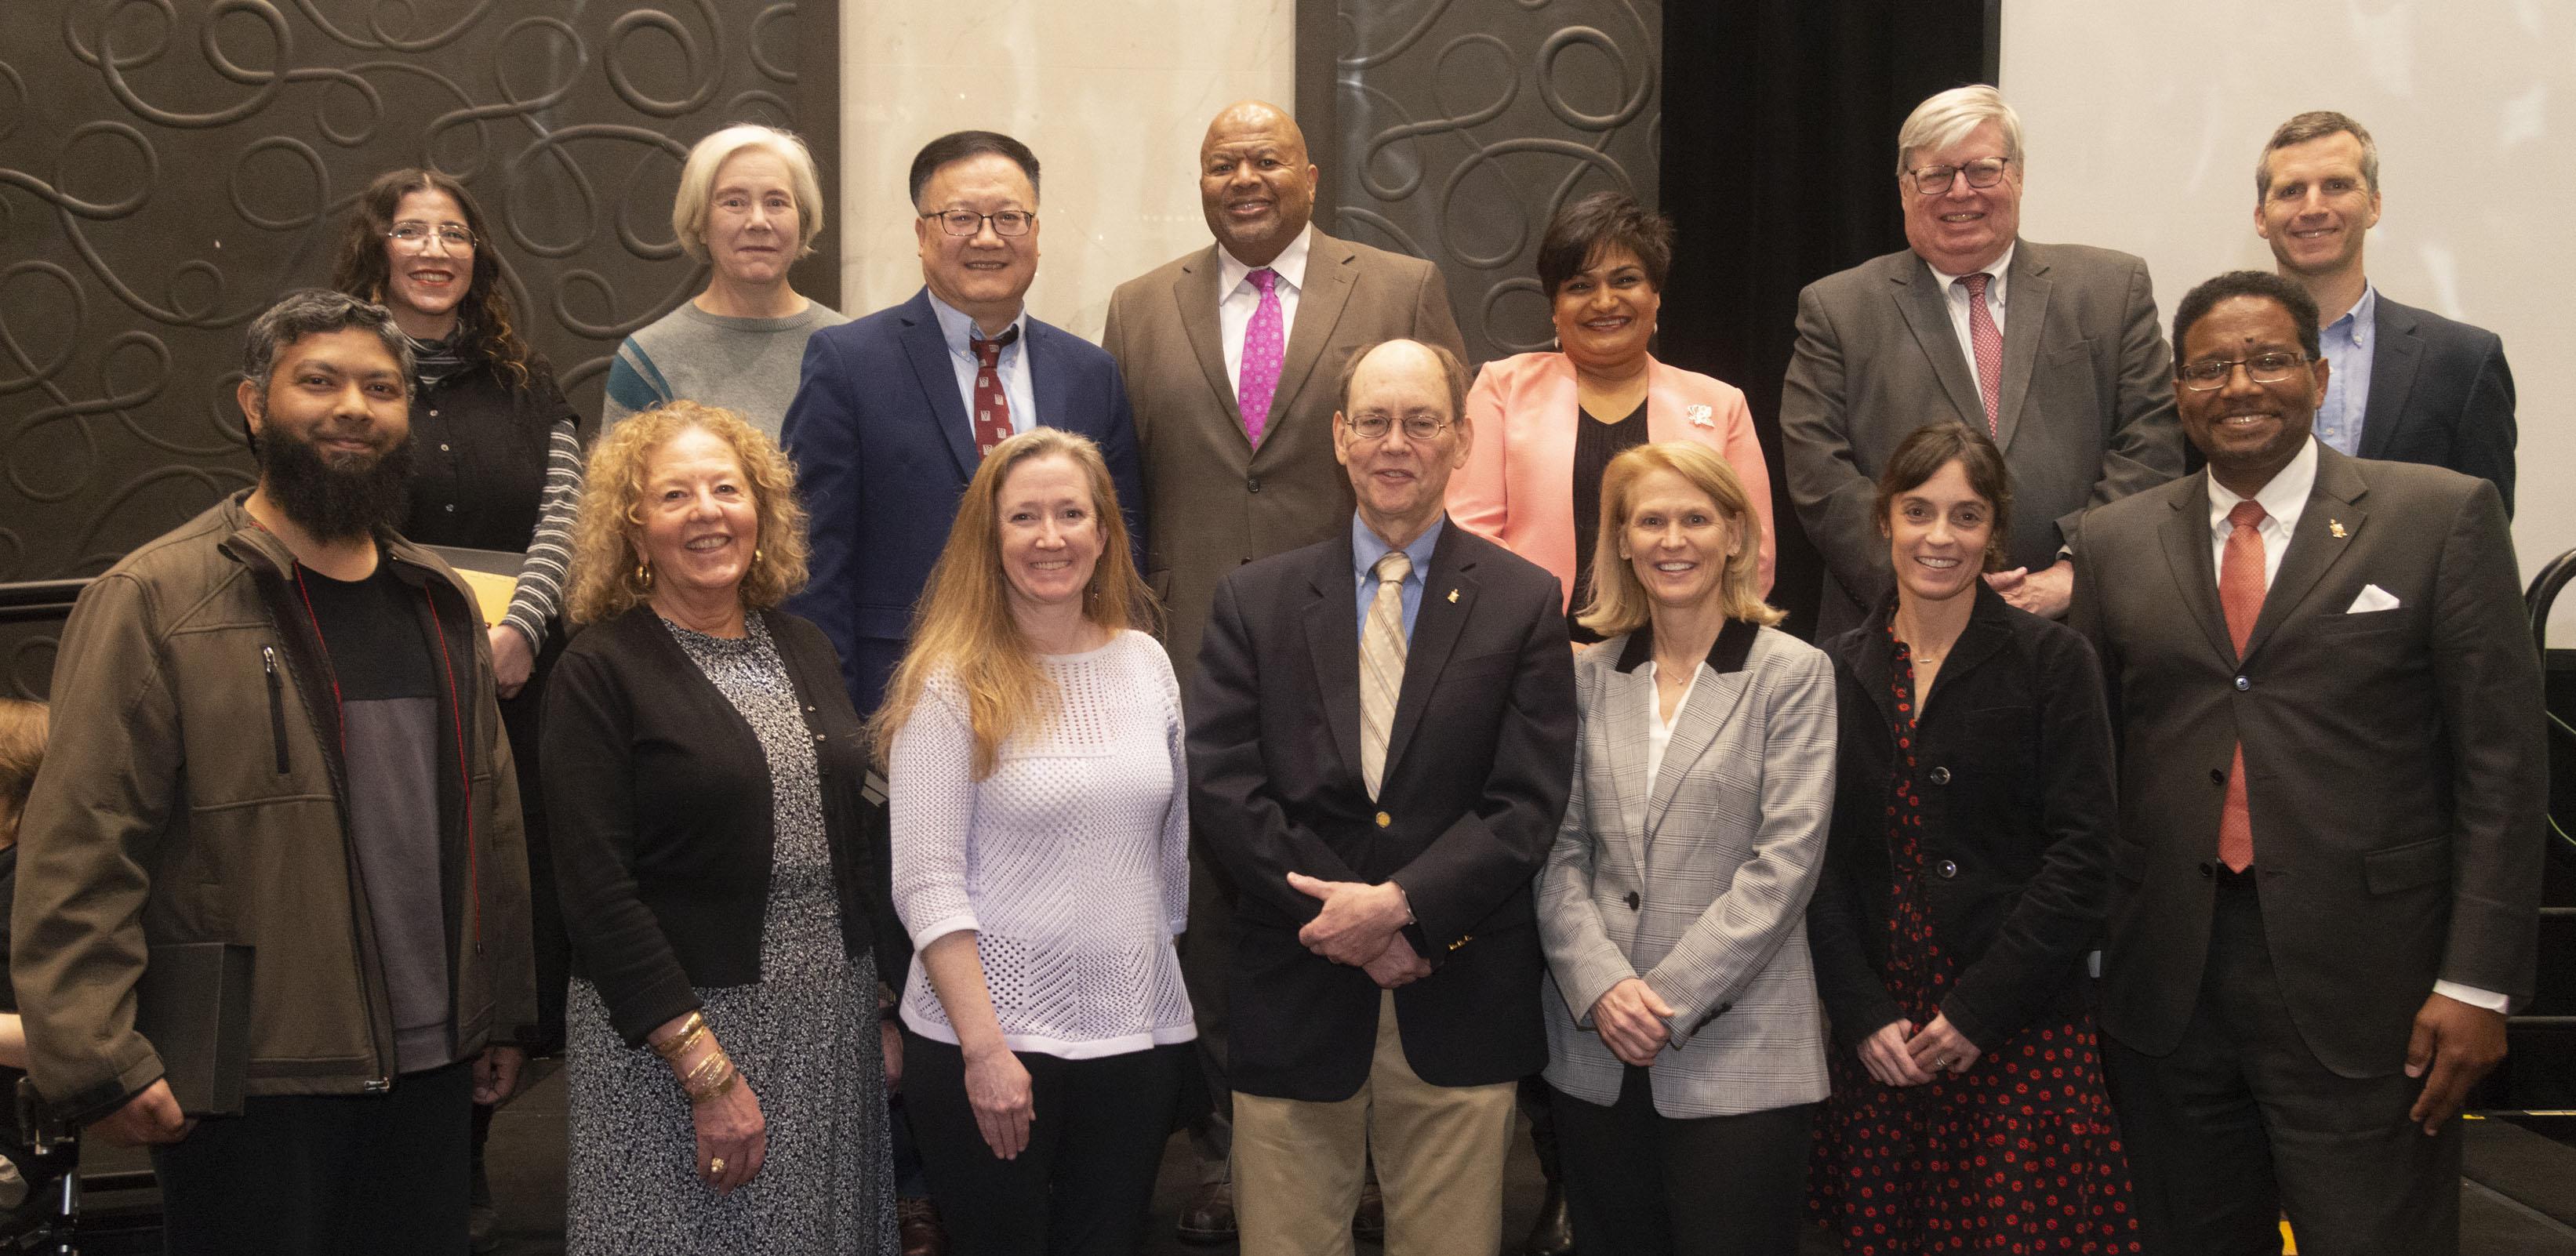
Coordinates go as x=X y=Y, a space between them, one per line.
x=1453 y=593
x=1699 y=416
x=2335 y=526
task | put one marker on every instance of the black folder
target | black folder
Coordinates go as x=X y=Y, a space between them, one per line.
x=193 y=1006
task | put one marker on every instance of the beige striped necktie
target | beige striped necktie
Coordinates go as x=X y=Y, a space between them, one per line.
x=1382 y=666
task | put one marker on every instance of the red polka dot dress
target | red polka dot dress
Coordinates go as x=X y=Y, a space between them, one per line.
x=2019 y=1154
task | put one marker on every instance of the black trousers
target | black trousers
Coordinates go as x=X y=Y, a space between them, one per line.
x=325 y=1175
x=1639 y=1183
x=2240 y=1124
x=1085 y=1183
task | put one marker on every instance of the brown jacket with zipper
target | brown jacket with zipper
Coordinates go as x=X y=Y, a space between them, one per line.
x=195 y=791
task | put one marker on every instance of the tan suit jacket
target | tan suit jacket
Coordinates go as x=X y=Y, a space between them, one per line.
x=1213 y=502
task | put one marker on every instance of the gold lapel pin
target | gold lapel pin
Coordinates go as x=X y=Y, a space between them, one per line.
x=1453 y=593
x=2335 y=526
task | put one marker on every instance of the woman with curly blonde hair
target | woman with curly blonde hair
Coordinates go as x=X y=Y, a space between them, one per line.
x=729 y=922
x=1041 y=861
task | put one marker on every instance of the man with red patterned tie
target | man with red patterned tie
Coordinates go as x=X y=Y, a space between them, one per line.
x=2052 y=350
x=1231 y=352
x=2332 y=784
x=895 y=410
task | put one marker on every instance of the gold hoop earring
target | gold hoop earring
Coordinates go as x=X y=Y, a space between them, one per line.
x=643 y=575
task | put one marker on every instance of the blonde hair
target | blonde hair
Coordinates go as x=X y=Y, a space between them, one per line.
x=22 y=751
x=1619 y=602
x=609 y=574
x=964 y=628
x=1945 y=118
x=698 y=184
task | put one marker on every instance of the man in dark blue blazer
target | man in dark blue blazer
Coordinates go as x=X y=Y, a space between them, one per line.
x=895 y=409
x=2409 y=385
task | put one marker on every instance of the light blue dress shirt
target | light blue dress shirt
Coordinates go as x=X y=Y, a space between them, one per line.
x=2348 y=342
x=1367 y=548
x=960 y=331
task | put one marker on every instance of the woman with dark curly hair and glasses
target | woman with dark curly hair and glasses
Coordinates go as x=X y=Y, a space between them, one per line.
x=495 y=465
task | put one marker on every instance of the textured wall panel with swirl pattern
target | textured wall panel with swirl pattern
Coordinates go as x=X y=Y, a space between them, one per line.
x=168 y=168
x=1454 y=131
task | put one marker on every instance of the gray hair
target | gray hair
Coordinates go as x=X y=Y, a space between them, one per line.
x=314 y=312
x=2316 y=124
x=1946 y=118
x=698 y=183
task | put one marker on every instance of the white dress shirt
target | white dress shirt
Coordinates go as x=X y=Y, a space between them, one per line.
x=2283 y=500
x=1954 y=295
x=960 y=331
x=1659 y=731
x=1238 y=299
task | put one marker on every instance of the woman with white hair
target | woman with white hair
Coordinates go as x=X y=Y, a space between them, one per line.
x=749 y=205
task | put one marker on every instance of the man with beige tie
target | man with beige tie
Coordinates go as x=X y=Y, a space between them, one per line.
x=1381 y=744
x=2332 y=782
x=1229 y=354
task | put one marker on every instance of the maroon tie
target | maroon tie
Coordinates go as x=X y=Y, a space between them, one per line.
x=992 y=405
x=2240 y=595
x=1988 y=342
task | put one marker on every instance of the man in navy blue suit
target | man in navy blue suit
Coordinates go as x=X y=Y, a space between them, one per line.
x=2409 y=385
x=895 y=410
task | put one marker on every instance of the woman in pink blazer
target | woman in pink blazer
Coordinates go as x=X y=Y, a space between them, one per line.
x=1547 y=423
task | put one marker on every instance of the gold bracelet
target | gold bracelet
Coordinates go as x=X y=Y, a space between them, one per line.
x=710 y=1091
x=706 y=1068
x=690 y=1031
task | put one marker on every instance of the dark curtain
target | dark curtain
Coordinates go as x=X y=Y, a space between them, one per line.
x=1779 y=152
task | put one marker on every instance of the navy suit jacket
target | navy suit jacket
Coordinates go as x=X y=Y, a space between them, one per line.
x=883 y=452
x=2440 y=393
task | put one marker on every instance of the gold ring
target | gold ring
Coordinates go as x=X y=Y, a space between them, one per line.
x=715 y=1167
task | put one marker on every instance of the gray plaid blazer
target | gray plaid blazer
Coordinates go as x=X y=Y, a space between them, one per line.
x=1701 y=885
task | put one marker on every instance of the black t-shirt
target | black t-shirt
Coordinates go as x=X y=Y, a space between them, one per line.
x=1595 y=444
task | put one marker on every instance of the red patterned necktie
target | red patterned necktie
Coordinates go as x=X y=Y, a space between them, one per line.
x=1988 y=342
x=992 y=404
x=2240 y=595
x=1263 y=352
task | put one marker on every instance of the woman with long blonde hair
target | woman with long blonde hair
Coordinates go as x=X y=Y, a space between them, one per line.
x=1041 y=862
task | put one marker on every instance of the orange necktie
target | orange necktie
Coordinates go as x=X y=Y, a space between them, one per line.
x=2240 y=596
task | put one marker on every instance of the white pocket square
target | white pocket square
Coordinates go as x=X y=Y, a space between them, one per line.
x=2372 y=598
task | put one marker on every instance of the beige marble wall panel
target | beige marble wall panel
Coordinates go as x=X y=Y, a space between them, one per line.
x=1111 y=94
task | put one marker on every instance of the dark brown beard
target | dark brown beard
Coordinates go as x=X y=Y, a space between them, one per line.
x=335 y=499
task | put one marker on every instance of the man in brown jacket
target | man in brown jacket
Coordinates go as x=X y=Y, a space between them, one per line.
x=275 y=727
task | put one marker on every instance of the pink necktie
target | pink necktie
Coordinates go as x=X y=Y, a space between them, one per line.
x=1261 y=355
x=1988 y=342
x=2240 y=595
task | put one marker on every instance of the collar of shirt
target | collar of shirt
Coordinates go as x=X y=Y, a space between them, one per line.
x=1367 y=547
x=2283 y=500
x=960 y=331
x=1290 y=265
x=2357 y=324
x=1999 y=268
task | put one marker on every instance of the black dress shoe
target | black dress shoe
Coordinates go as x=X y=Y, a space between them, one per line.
x=1554 y=1233
x=1369 y=1222
x=1209 y=1218
x=917 y=1228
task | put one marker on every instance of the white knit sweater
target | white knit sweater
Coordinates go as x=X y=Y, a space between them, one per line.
x=1070 y=862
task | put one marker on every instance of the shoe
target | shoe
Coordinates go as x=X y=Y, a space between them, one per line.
x=1369 y=1223
x=917 y=1222
x=1554 y=1233
x=482 y=1219
x=1209 y=1219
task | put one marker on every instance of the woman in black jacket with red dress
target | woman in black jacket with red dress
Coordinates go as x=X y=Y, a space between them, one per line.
x=1966 y=875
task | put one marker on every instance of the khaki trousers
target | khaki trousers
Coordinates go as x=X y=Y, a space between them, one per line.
x=1439 y=1150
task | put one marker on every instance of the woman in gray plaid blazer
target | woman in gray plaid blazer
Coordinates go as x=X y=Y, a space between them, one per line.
x=1686 y=1047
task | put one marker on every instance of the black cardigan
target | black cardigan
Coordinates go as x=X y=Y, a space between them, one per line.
x=663 y=833
x=2014 y=765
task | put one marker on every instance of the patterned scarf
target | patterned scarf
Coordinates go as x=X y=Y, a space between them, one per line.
x=435 y=360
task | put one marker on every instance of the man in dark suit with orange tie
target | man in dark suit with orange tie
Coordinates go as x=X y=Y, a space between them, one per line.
x=1381 y=744
x=2332 y=787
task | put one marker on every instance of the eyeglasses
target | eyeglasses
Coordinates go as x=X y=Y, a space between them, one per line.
x=966 y=222
x=2263 y=368
x=415 y=235
x=1984 y=172
x=1417 y=427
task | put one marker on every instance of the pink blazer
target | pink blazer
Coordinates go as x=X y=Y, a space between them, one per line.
x=1517 y=485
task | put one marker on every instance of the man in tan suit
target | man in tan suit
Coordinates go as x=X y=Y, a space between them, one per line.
x=1229 y=354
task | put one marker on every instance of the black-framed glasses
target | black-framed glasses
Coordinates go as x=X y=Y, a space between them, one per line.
x=1416 y=427
x=1984 y=172
x=2263 y=368
x=415 y=235
x=966 y=222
